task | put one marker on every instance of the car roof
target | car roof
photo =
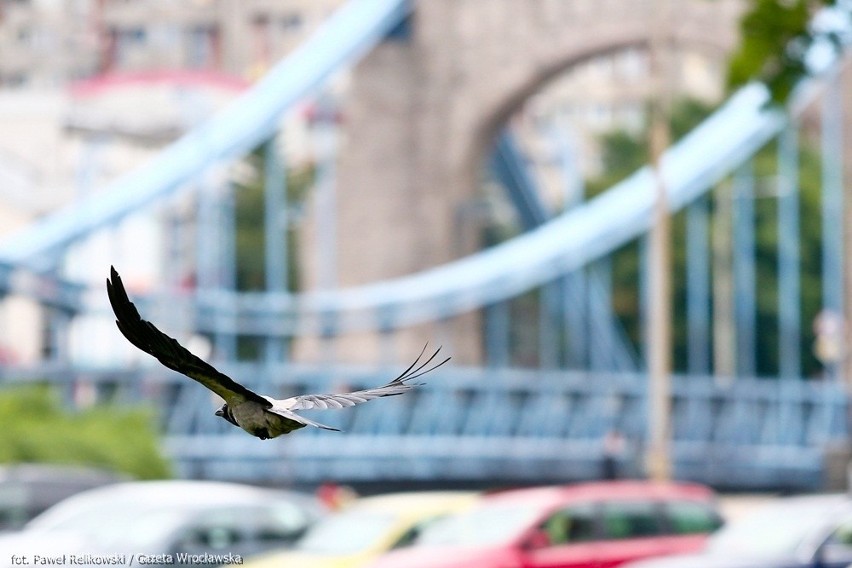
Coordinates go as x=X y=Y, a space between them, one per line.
x=603 y=491
x=817 y=500
x=826 y=504
x=414 y=500
x=182 y=492
x=182 y=496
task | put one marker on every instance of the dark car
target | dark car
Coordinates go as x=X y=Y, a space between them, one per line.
x=796 y=532
x=590 y=525
x=26 y=490
x=169 y=520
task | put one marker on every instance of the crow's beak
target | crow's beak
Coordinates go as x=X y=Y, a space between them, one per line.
x=220 y=412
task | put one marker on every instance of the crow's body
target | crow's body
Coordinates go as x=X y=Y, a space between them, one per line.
x=260 y=416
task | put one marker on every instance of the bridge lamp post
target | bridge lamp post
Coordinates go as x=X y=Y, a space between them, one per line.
x=658 y=459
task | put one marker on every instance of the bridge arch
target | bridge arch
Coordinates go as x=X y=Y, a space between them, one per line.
x=423 y=112
x=538 y=77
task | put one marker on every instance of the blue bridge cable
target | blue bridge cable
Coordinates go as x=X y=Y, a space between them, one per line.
x=789 y=286
x=509 y=166
x=745 y=275
x=698 y=286
x=569 y=241
x=566 y=243
x=250 y=120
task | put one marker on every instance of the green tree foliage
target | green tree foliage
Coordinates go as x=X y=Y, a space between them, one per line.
x=36 y=428
x=775 y=37
x=624 y=153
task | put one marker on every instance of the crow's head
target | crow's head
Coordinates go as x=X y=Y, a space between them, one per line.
x=225 y=413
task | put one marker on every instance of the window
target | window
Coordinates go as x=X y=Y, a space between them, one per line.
x=136 y=35
x=201 y=46
x=572 y=525
x=350 y=531
x=837 y=550
x=281 y=524
x=689 y=517
x=214 y=538
x=490 y=523
x=842 y=535
x=11 y=518
x=410 y=535
x=215 y=530
x=630 y=520
x=291 y=22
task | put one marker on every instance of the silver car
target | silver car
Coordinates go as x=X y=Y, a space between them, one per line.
x=796 y=532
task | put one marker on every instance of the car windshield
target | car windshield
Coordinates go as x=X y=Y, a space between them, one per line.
x=485 y=525
x=771 y=532
x=347 y=532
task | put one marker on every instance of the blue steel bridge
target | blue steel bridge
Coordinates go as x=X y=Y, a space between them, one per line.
x=496 y=421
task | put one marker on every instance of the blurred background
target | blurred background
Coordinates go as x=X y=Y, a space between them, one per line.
x=626 y=221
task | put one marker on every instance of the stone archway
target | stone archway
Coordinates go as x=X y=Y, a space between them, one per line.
x=423 y=110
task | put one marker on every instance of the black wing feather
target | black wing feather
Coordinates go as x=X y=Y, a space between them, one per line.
x=145 y=336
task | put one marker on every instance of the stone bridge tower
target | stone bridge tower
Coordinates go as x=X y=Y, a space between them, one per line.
x=424 y=107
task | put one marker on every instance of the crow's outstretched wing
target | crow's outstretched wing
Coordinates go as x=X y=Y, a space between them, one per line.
x=397 y=386
x=144 y=335
x=299 y=418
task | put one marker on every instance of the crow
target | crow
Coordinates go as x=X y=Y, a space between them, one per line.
x=260 y=416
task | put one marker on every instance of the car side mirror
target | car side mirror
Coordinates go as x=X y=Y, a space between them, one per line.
x=536 y=539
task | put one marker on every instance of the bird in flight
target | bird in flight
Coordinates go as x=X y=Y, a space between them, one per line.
x=260 y=416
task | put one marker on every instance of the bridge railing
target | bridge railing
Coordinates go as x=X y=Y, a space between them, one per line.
x=508 y=425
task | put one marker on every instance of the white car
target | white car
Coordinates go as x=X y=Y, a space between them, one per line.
x=170 y=522
x=814 y=531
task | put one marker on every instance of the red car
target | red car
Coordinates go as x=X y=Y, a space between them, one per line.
x=591 y=525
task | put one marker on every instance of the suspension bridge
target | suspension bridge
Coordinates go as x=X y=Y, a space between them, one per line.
x=485 y=418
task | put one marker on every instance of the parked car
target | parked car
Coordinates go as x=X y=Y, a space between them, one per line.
x=585 y=525
x=795 y=532
x=365 y=529
x=165 y=518
x=27 y=490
